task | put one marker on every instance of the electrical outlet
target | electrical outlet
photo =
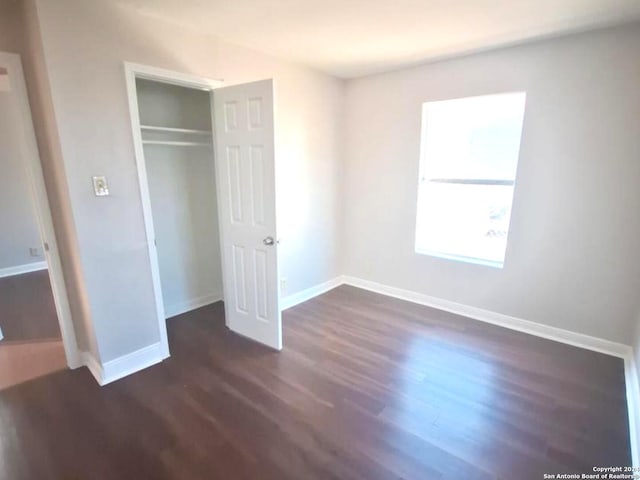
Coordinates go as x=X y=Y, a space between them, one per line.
x=34 y=252
x=283 y=285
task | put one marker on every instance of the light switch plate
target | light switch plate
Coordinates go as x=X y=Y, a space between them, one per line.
x=100 y=186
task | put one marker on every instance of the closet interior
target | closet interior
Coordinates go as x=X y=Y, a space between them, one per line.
x=177 y=139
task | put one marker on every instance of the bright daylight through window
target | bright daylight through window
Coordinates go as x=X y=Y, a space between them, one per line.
x=468 y=159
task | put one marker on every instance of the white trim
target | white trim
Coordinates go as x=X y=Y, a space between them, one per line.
x=188 y=305
x=133 y=71
x=29 y=150
x=460 y=258
x=89 y=361
x=20 y=269
x=171 y=76
x=545 y=331
x=176 y=143
x=125 y=365
x=185 y=131
x=633 y=407
x=304 y=295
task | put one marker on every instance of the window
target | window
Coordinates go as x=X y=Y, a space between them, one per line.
x=469 y=154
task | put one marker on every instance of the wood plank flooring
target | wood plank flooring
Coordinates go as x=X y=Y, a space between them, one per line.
x=27 y=309
x=367 y=387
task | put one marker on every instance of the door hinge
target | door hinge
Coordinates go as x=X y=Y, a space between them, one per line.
x=46 y=246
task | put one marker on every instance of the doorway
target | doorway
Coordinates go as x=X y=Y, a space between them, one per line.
x=36 y=334
x=206 y=168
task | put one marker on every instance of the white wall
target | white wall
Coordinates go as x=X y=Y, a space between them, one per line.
x=85 y=43
x=183 y=196
x=573 y=259
x=18 y=224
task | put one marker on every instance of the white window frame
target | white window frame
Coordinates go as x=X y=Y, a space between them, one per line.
x=423 y=183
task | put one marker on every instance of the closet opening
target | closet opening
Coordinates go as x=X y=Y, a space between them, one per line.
x=177 y=139
x=206 y=168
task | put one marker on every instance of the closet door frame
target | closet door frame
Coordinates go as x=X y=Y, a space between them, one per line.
x=134 y=71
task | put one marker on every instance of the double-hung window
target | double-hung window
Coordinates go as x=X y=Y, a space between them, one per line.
x=469 y=154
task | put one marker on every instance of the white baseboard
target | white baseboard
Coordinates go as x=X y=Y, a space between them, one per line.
x=125 y=365
x=633 y=407
x=500 y=319
x=296 y=298
x=184 y=307
x=89 y=361
x=20 y=269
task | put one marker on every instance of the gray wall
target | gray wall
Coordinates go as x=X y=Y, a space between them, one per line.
x=19 y=228
x=573 y=259
x=25 y=20
x=85 y=43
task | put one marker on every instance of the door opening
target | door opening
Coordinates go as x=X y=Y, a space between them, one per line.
x=36 y=330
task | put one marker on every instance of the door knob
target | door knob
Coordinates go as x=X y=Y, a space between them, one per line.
x=268 y=241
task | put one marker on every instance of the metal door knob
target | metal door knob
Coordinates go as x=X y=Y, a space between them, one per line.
x=268 y=241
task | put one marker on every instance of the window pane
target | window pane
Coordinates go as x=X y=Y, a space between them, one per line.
x=464 y=220
x=469 y=155
x=477 y=137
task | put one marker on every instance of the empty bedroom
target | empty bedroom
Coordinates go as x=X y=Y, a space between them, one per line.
x=310 y=240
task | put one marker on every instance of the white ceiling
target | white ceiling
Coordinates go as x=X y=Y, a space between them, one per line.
x=351 y=38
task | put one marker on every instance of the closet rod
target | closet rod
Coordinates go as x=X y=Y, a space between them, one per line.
x=175 y=130
x=176 y=144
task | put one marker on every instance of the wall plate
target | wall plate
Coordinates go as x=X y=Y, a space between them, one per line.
x=100 y=186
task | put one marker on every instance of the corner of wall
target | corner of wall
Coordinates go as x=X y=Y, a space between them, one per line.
x=48 y=141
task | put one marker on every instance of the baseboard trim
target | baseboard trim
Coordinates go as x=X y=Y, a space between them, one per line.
x=307 y=294
x=526 y=326
x=20 y=269
x=89 y=361
x=184 y=307
x=633 y=407
x=125 y=365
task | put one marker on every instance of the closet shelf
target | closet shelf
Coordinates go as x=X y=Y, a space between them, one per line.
x=176 y=143
x=191 y=131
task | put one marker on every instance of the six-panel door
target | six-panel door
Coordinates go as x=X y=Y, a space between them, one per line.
x=244 y=143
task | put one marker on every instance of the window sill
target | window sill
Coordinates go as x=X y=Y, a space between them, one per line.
x=460 y=258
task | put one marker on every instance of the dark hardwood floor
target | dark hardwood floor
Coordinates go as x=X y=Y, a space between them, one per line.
x=27 y=309
x=367 y=387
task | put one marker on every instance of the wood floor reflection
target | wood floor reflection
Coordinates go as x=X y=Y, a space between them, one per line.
x=32 y=346
x=27 y=309
x=24 y=361
x=367 y=387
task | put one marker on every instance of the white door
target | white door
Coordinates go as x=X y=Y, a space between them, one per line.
x=245 y=173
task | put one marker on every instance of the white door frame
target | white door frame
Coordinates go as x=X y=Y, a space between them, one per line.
x=33 y=167
x=132 y=72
